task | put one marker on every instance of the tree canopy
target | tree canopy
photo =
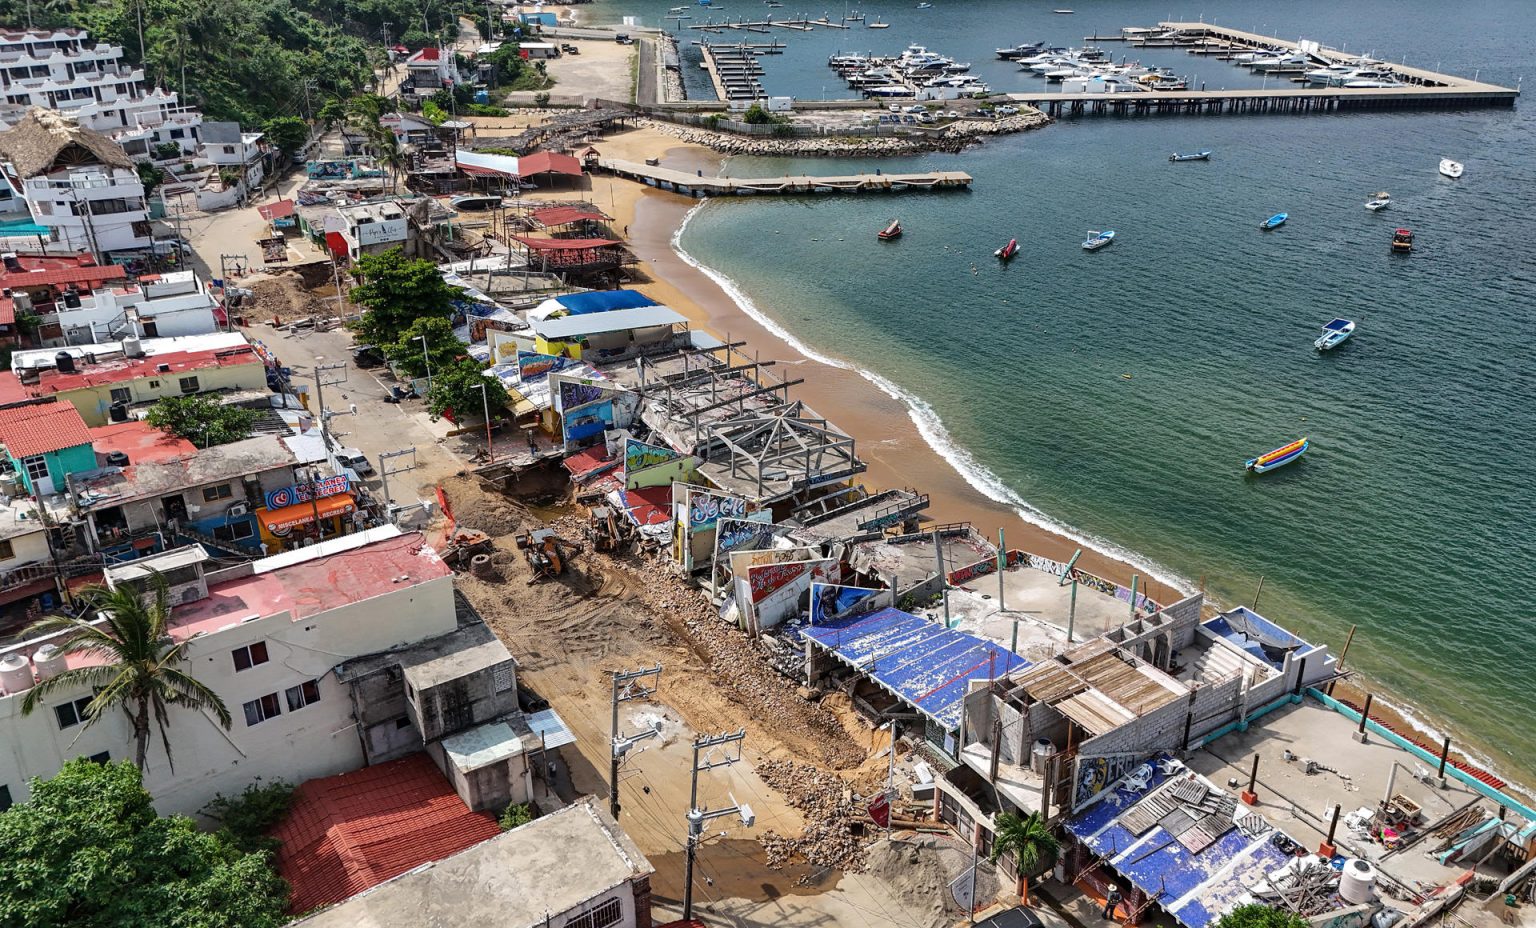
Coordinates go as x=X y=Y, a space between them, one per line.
x=202 y=420
x=441 y=350
x=1260 y=916
x=397 y=291
x=456 y=393
x=288 y=133
x=87 y=850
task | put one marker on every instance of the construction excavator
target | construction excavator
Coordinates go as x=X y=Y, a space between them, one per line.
x=541 y=547
x=606 y=531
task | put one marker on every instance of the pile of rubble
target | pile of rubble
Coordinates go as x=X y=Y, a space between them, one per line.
x=832 y=813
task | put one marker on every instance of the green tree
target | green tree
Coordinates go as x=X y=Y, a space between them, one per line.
x=150 y=176
x=288 y=133
x=1260 y=916
x=138 y=670
x=442 y=349
x=1030 y=841
x=397 y=291
x=246 y=820
x=88 y=851
x=456 y=392
x=519 y=813
x=757 y=116
x=433 y=113
x=202 y=420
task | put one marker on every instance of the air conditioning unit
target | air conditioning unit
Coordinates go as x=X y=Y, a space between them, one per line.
x=239 y=510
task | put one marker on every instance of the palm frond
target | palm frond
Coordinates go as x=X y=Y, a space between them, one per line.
x=73 y=678
x=185 y=690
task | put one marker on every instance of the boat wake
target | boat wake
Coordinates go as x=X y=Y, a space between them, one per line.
x=930 y=425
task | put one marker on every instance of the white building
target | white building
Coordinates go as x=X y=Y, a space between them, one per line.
x=430 y=69
x=271 y=638
x=574 y=868
x=371 y=228
x=161 y=306
x=79 y=183
x=64 y=70
x=228 y=148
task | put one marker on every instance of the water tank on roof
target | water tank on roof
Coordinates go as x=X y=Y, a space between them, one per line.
x=72 y=298
x=22 y=300
x=1357 y=882
x=65 y=362
x=49 y=661
x=117 y=459
x=15 y=674
x=132 y=348
x=1040 y=755
x=118 y=412
x=12 y=263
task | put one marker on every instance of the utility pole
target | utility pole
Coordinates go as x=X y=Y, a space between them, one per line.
x=1066 y=578
x=321 y=382
x=309 y=113
x=697 y=817
x=485 y=403
x=385 y=472
x=628 y=685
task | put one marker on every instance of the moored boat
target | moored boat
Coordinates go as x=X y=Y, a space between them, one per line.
x=1275 y=221
x=1379 y=202
x=1451 y=168
x=890 y=232
x=1097 y=240
x=1402 y=240
x=1203 y=155
x=1334 y=334
x=1277 y=458
x=1007 y=251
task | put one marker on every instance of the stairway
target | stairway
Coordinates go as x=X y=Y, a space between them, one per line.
x=214 y=545
x=1216 y=662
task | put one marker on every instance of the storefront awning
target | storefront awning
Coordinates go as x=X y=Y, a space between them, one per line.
x=279 y=520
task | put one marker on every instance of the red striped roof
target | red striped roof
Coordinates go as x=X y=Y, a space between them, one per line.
x=350 y=832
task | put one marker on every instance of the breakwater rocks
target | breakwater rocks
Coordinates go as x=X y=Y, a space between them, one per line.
x=952 y=138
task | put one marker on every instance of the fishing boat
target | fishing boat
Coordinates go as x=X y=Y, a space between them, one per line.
x=1007 y=251
x=1275 y=221
x=1402 y=240
x=1379 y=202
x=1097 y=240
x=891 y=232
x=1451 y=168
x=1277 y=458
x=1202 y=155
x=1334 y=334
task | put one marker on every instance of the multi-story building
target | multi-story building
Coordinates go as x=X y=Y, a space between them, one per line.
x=373 y=228
x=79 y=183
x=228 y=148
x=65 y=70
x=156 y=306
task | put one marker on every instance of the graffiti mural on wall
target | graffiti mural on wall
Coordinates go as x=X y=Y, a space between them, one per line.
x=532 y=366
x=638 y=455
x=573 y=394
x=705 y=509
x=766 y=579
x=1084 y=578
x=740 y=534
x=1096 y=774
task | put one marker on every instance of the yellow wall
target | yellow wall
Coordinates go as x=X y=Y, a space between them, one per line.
x=559 y=349
x=93 y=402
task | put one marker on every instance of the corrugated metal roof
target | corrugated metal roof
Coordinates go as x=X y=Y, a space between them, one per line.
x=616 y=321
x=38 y=429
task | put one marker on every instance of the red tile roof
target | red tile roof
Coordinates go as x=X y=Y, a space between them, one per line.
x=548 y=162
x=29 y=430
x=118 y=371
x=142 y=442
x=353 y=831
x=565 y=244
x=63 y=275
x=12 y=393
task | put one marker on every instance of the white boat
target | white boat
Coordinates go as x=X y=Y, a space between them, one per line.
x=1334 y=334
x=1064 y=12
x=1097 y=239
x=1370 y=84
x=1379 y=202
x=925 y=6
x=1451 y=168
x=877 y=24
x=1280 y=63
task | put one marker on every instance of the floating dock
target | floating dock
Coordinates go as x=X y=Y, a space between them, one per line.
x=694 y=185
x=1422 y=89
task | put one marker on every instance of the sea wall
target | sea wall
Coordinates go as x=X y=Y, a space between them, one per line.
x=954 y=137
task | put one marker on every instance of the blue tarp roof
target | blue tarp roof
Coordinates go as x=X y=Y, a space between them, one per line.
x=925 y=664
x=602 y=301
x=1222 y=628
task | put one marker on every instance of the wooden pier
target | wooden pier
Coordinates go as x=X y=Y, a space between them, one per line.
x=1423 y=89
x=695 y=185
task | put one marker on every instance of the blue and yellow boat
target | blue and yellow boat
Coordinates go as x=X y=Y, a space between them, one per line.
x=1277 y=458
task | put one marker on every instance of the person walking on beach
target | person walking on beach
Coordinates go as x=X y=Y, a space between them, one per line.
x=1111 y=902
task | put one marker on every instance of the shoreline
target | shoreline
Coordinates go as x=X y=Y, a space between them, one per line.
x=882 y=422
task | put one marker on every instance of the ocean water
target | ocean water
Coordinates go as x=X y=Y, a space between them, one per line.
x=1116 y=394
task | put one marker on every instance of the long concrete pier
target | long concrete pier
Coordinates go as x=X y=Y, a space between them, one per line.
x=1422 y=88
x=694 y=185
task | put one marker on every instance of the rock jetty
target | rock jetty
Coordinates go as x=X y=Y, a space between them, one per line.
x=952 y=138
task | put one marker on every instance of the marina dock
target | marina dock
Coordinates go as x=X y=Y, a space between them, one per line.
x=735 y=71
x=1421 y=88
x=694 y=185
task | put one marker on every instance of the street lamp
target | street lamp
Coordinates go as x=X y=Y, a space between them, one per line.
x=485 y=402
x=424 y=360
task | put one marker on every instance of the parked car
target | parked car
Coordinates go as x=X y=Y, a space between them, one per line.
x=917 y=108
x=569 y=49
x=355 y=460
x=1007 y=111
x=367 y=356
x=623 y=39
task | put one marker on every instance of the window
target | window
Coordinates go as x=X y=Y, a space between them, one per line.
x=154 y=384
x=249 y=656
x=5 y=798
x=71 y=714
x=104 y=757
x=178 y=133
x=37 y=467
x=304 y=694
x=402 y=722
x=189 y=384
x=213 y=494
x=259 y=710
x=234 y=531
x=122 y=395
x=607 y=913
x=7 y=550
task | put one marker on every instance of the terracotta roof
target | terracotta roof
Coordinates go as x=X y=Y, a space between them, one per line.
x=35 y=142
x=12 y=393
x=565 y=244
x=48 y=277
x=276 y=210
x=118 y=371
x=548 y=162
x=29 y=430
x=350 y=832
x=142 y=442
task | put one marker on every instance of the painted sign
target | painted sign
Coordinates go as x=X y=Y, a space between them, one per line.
x=769 y=578
x=638 y=455
x=695 y=510
x=532 y=366
x=304 y=492
x=1096 y=774
x=705 y=509
x=591 y=420
x=664 y=474
x=775 y=590
x=577 y=393
x=742 y=534
x=830 y=602
x=279 y=528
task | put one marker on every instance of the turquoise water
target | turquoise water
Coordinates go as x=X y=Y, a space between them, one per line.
x=1412 y=514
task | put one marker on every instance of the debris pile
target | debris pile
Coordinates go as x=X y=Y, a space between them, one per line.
x=831 y=810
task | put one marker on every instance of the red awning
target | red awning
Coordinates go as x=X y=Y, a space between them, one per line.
x=565 y=244
x=277 y=520
x=337 y=243
x=279 y=210
x=560 y=215
x=548 y=162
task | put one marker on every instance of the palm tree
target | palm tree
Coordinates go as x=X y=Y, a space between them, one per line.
x=1032 y=844
x=139 y=663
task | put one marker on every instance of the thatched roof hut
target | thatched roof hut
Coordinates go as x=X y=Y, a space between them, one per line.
x=42 y=140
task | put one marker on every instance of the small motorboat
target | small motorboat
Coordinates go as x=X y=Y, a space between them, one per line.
x=877 y=24
x=1275 y=221
x=891 y=232
x=1007 y=251
x=1277 y=458
x=1334 y=334
x=925 y=6
x=1064 y=12
x=1097 y=240
x=1202 y=155
x=1451 y=168
x=1379 y=202
x=1402 y=240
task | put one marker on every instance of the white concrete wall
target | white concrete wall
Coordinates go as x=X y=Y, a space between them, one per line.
x=317 y=740
x=624 y=892
x=30 y=548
